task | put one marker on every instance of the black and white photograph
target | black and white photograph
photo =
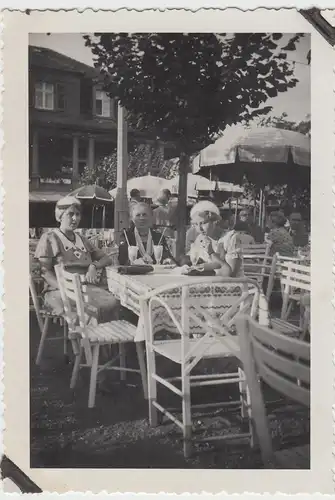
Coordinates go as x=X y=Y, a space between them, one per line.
x=169 y=214
x=176 y=183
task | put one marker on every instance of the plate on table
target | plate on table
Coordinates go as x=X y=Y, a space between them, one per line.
x=135 y=269
x=163 y=268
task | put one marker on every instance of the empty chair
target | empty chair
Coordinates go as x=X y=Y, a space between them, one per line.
x=295 y=279
x=284 y=364
x=91 y=336
x=204 y=327
x=259 y=265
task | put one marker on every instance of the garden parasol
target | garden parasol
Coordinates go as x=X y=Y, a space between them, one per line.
x=97 y=195
x=198 y=183
x=263 y=155
x=92 y=192
x=148 y=185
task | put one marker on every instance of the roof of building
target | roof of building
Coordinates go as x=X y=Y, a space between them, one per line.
x=48 y=58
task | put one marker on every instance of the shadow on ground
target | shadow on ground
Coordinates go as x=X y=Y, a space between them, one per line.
x=116 y=433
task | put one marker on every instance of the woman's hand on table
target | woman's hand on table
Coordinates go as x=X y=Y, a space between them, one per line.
x=147 y=259
x=91 y=275
x=168 y=262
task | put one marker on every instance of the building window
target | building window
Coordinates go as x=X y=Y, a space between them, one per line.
x=103 y=104
x=44 y=95
x=49 y=96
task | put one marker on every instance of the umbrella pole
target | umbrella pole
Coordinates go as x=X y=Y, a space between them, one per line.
x=121 y=207
x=261 y=194
x=263 y=211
x=236 y=209
x=103 y=217
x=92 y=217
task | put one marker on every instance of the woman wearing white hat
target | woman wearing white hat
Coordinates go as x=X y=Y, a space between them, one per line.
x=78 y=256
x=221 y=255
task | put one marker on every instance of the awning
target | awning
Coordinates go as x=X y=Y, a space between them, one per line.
x=45 y=196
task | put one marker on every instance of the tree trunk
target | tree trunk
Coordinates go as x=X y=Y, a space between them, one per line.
x=184 y=163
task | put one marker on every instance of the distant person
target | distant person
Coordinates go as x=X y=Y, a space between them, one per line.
x=279 y=237
x=298 y=230
x=245 y=237
x=135 y=196
x=163 y=213
x=254 y=229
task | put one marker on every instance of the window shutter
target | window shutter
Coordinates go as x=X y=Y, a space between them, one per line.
x=60 y=96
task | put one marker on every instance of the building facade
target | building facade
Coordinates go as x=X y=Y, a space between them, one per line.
x=72 y=121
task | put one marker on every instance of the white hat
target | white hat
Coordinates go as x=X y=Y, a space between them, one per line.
x=205 y=206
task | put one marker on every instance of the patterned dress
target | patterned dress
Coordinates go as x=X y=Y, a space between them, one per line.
x=76 y=257
x=282 y=242
x=228 y=247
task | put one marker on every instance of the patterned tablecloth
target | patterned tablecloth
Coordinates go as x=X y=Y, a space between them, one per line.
x=211 y=297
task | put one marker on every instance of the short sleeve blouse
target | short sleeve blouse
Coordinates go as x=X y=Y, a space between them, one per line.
x=230 y=249
x=282 y=242
x=76 y=256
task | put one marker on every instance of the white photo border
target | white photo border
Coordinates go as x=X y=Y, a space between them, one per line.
x=17 y=27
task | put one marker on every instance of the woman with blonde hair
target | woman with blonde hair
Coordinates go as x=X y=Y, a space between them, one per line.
x=221 y=255
x=78 y=255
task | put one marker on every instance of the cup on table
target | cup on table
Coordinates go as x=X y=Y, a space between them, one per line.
x=132 y=253
x=158 y=253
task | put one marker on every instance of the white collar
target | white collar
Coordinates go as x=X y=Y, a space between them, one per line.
x=67 y=244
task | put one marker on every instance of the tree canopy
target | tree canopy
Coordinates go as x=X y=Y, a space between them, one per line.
x=282 y=121
x=144 y=159
x=185 y=88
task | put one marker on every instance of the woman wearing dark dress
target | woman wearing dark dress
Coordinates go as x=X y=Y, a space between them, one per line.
x=144 y=237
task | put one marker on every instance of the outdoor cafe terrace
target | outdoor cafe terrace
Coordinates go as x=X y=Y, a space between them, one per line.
x=118 y=426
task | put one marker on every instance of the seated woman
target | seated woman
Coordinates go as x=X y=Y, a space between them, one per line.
x=144 y=237
x=217 y=230
x=222 y=255
x=279 y=237
x=78 y=256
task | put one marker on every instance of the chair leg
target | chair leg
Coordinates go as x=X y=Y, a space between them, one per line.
x=143 y=368
x=253 y=434
x=94 y=374
x=76 y=368
x=243 y=394
x=42 y=341
x=152 y=385
x=289 y=309
x=186 y=409
x=286 y=299
x=122 y=354
x=66 y=343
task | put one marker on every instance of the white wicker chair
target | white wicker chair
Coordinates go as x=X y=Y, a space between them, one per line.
x=92 y=335
x=284 y=364
x=217 y=341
